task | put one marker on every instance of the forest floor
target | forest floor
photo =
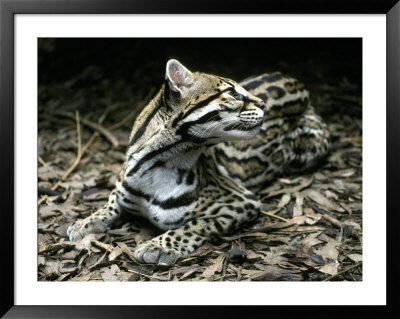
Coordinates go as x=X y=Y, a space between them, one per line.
x=310 y=228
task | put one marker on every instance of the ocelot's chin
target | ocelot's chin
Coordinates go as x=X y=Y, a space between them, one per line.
x=251 y=133
x=244 y=134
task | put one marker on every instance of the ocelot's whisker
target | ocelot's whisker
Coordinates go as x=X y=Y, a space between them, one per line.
x=216 y=125
x=203 y=133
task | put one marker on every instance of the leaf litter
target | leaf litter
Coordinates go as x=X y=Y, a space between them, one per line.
x=311 y=228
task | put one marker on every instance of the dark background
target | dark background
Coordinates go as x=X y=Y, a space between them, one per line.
x=238 y=57
x=88 y=74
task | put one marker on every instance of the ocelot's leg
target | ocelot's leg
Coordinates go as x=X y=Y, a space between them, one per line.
x=98 y=222
x=213 y=215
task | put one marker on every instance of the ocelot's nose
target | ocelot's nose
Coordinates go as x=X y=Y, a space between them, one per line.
x=261 y=105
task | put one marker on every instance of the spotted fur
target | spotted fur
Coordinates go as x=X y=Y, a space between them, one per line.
x=292 y=138
x=200 y=150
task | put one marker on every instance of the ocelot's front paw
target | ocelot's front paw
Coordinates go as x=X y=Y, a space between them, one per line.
x=151 y=252
x=86 y=226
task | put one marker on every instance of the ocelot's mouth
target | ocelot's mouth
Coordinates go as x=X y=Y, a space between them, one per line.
x=242 y=127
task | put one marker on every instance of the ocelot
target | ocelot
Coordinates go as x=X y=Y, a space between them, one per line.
x=199 y=152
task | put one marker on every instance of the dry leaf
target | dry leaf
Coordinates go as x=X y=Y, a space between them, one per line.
x=274 y=257
x=51 y=268
x=67 y=266
x=215 y=267
x=189 y=272
x=82 y=278
x=322 y=200
x=48 y=173
x=311 y=240
x=330 y=268
x=41 y=261
x=303 y=184
x=181 y=270
x=49 y=211
x=285 y=199
x=329 y=250
x=330 y=194
x=251 y=256
x=298 y=208
x=110 y=273
x=338 y=179
x=308 y=219
x=355 y=257
x=277 y=274
x=125 y=249
x=103 y=246
x=343 y=173
x=116 y=252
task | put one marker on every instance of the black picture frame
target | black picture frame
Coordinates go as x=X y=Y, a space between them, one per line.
x=8 y=10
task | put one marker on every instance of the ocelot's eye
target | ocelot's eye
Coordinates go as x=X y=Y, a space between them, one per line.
x=235 y=95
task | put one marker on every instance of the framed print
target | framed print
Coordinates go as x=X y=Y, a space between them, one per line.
x=173 y=158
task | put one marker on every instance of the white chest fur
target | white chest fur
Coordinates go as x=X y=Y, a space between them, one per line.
x=158 y=184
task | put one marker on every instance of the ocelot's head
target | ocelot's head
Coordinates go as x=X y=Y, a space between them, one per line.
x=209 y=108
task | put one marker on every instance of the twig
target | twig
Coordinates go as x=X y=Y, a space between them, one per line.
x=125 y=249
x=83 y=150
x=42 y=200
x=343 y=271
x=79 y=155
x=273 y=227
x=224 y=265
x=333 y=221
x=98 y=130
x=123 y=121
x=102 y=130
x=100 y=262
x=89 y=142
x=102 y=246
x=45 y=248
x=275 y=216
x=74 y=164
x=239 y=273
x=144 y=275
x=41 y=161
x=97 y=127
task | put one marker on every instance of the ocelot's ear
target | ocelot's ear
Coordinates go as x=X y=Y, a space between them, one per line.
x=179 y=78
